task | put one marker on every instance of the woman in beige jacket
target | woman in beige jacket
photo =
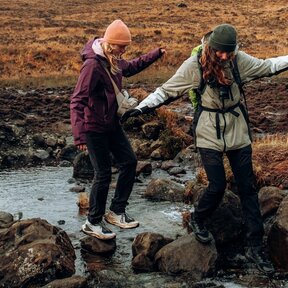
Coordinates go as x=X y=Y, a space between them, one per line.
x=221 y=127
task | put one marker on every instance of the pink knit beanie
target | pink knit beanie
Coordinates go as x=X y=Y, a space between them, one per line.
x=117 y=33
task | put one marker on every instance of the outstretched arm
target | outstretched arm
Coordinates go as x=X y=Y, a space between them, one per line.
x=185 y=78
x=132 y=67
x=252 y=68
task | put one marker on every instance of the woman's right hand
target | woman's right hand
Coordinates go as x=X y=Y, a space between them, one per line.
x=82 y=147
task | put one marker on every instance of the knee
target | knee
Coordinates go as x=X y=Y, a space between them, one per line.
x=217 y=187
x=103 y=176
x=130 y=165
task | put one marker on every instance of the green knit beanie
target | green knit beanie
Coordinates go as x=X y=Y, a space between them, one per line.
x=223 y=38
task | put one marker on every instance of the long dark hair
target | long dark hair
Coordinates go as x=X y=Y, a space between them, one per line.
x=213 y=67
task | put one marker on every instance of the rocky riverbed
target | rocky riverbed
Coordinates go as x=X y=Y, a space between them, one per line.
x=35 y=132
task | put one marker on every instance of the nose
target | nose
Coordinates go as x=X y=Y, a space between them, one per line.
x=224 y=56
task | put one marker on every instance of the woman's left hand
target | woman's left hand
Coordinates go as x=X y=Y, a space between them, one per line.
x=163 y=51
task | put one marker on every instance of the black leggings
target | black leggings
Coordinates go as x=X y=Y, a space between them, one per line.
x=241 y=163
x=100 y=145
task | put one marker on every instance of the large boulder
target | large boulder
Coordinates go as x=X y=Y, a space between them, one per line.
x=278 y=237
x=164 y=190
x=75 y=281
x=269 y=199
x=93 y=245
x=187 y=255
x=144 y=248
x=34 y=252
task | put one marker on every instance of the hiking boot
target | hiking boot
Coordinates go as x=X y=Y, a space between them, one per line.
x=122 y=220
x=200 y=231
x=98 y=230
x=257 y=256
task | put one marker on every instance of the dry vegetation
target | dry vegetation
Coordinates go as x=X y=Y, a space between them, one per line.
x=40 y=43
x=41 y=39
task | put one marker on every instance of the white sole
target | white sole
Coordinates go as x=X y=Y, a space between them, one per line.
x=98 y=236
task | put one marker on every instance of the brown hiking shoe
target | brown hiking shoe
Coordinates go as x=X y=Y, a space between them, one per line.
x=122 y=220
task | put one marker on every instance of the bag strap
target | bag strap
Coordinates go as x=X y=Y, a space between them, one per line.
x=236 y=75
x=116 y=89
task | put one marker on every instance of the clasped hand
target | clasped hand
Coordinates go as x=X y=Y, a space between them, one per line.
x=135 y=112
x=130 y=113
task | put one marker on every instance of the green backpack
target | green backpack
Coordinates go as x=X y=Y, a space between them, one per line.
x=192 y=92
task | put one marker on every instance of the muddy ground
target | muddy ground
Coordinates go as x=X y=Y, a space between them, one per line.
x=48 y=109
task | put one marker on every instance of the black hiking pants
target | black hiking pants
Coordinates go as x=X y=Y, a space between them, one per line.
x=241 y=164
x=100 y=145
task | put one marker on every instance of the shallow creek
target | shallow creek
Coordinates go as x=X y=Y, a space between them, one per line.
x=45 y=193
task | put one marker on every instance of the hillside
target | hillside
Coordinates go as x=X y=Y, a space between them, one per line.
x=41 y=40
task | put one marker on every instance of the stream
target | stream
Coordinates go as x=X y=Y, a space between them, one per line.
x=45 y=193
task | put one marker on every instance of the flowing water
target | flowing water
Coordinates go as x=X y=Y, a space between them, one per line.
x=45 y=193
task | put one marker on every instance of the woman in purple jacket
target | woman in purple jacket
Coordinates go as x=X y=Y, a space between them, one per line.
x=96 y=126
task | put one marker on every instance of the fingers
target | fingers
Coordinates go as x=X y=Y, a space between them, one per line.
x=82 y=147
x=134 y=113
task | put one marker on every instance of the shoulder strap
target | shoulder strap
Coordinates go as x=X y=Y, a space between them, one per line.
x=237 y=78
x=236 y=74
x=116 y=89
x=200 y=90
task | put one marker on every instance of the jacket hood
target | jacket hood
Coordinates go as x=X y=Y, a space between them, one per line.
x=92 y=48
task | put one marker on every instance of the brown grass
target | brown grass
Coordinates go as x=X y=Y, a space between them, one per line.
x=43 y=38
x=170 y=118
x=270 y=160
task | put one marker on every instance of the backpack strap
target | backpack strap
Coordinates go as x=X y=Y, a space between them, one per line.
x=236 y=75
x=202 y=86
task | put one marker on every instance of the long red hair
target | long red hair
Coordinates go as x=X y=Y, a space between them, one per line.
x=213 y=67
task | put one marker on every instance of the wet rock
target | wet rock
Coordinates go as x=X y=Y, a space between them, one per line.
x=40 y=154
x=111 y=278
x=187 y=156
x=33 y=252
x=166 y=165
x=38 y=140
x=51 y=141
x=10 y=134
x=141 y=148
x=176 y=171
x=270 y=199
x=65 y=163
x=96 y=246
x=171 y=145
x=71 y=282
x=142 y=263
x=164 y=190
x=151 y=129
x=278 y=237
x=187 y=255
x=82 y=167
x=6 y=219
x=14 y=159
x=144 y=248
x=156 y=144
x=77 y=189
x=157 y=154
x=69 y=152
x=143 y=167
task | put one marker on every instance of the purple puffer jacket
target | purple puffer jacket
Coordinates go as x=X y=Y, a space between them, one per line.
x=93 y=103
